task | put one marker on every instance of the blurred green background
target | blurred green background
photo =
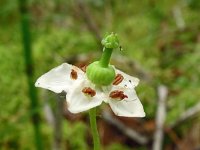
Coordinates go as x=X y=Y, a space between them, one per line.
x=161 y=46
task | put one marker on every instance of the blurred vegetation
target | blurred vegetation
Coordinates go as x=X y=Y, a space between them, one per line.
x=163 y=37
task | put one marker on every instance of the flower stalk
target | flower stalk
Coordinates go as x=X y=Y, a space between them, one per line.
x=93 y=124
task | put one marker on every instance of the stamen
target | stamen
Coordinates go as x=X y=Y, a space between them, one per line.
x=84 y=68
x=118 y=79
x=89 y=91
x=74 y=74
x=118 y=94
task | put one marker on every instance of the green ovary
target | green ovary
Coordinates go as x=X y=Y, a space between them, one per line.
x=100 y=75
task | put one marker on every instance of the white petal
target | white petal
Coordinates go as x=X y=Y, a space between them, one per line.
x=78 y=101
x=106 y=90
x=128 y=81
x=128 y=107
x=58 y=79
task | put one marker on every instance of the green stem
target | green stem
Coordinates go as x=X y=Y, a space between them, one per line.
x=105 y=58
x=25 y=29
x=93 y=124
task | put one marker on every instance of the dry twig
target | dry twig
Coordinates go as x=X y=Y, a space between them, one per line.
x=132 y=134
x=54 y=119
x=178 y=17
x=89 y=20
x=186 y=115
x=160 y=117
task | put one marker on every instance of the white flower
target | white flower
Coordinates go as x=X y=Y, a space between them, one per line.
x=83 y=95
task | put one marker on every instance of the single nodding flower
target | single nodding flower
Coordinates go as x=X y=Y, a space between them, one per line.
x=101 y=82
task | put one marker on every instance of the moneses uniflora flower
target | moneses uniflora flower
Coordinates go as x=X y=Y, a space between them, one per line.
x=100 y=82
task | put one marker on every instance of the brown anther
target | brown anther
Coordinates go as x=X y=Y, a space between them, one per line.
x=118 y=94
x=118 y=79
x=74 y=74
x=84 y=68
x=89 y=91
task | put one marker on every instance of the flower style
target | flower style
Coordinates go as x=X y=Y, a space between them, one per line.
x=87 y=90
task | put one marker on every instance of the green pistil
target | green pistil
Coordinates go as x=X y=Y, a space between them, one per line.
x=109 y=42
x=100 y=72
x=105 y=58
